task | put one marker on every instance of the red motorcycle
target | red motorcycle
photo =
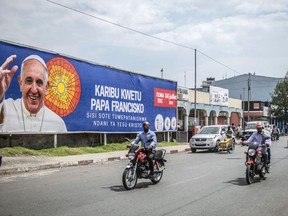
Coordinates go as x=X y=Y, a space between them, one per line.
x=138 y=167
x=255 y=162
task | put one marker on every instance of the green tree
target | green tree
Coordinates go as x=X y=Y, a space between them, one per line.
x=279 y=103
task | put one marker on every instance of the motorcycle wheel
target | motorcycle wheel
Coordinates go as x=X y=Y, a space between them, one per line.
x=157 y=174
x=262 y=173
x=249 y=174
x=129 y=181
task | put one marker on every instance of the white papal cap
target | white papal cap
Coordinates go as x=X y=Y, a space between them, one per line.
x=36 y=57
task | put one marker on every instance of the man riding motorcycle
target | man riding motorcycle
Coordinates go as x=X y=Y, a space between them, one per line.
x=259 y=136
x=275 y=133
x=148 y=140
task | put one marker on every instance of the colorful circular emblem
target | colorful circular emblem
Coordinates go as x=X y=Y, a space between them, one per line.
x=159 y=123
x=64 y=87
x=167 y=123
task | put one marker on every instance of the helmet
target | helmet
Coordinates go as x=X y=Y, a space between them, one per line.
x=259 y=125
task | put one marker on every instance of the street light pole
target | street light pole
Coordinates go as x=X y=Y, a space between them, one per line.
x=162 y=73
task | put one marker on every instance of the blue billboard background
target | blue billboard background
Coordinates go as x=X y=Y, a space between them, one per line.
x=111 y=100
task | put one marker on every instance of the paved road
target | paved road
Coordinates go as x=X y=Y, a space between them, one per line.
x=202 y=183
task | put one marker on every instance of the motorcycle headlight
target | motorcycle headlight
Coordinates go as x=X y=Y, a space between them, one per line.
x=251 y=152
x=131 y=156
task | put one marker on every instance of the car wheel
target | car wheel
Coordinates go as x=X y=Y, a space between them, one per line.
x=193 y=150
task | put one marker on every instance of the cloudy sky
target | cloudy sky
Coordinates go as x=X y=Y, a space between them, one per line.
x=232 y=37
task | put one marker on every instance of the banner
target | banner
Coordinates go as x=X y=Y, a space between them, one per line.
x=218 y=96
x=93 y=97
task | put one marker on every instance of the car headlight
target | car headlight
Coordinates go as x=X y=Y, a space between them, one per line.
x=210 y=139
x=192 y=140
x=251 y=152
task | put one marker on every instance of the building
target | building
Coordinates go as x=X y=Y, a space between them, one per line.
x=198 y=108
x=255 y=92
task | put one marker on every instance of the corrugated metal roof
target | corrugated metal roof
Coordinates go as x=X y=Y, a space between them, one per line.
x=261 y=87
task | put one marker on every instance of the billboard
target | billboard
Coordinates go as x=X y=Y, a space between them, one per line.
x=218 y=96
x=183 y=94
x=93 y=97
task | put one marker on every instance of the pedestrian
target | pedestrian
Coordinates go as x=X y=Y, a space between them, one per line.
x=238 y=131
x=233 y=127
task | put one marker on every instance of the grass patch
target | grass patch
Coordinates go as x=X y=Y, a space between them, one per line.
x=18 y=151
x=65 y=151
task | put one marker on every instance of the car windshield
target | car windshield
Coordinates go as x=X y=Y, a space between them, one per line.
x=251 y=126
x=209 y=130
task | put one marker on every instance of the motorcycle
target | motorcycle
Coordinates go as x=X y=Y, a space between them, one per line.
x=274 y=137
x=138 y=167
x=255 y=162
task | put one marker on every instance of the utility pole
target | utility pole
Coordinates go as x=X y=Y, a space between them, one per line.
x=243 y=108
x=249 y=94
x=195 y=92
x=162 y=73
x=185 y=79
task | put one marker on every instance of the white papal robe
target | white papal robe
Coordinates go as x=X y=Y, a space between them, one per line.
x=18 y=119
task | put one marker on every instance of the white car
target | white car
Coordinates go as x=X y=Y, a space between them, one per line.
x=250 y=128
x=209 y=137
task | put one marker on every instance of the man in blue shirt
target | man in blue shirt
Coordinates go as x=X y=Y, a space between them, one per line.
x=258 y=137
x=148 y=141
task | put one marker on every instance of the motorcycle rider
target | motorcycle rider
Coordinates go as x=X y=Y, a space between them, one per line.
x=268 y=143
x=275 y=132
x=258 y=137
x=148 y=140
x=229 y=132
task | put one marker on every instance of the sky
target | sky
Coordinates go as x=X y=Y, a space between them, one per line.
x=231 y=37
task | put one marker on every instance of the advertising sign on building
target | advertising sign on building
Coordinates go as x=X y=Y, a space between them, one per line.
x=183 y=94
x=218 y=96
x=88 y=96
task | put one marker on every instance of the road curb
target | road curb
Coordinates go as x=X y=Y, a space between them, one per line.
x=10 y=171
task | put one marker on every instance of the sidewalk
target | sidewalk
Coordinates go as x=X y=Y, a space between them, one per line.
x=13 y=165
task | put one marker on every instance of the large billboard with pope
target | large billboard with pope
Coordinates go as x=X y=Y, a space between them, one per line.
x=50 y=92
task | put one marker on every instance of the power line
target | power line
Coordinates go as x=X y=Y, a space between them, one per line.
x=143 y=33
x=219 y=62
x=119 y=25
